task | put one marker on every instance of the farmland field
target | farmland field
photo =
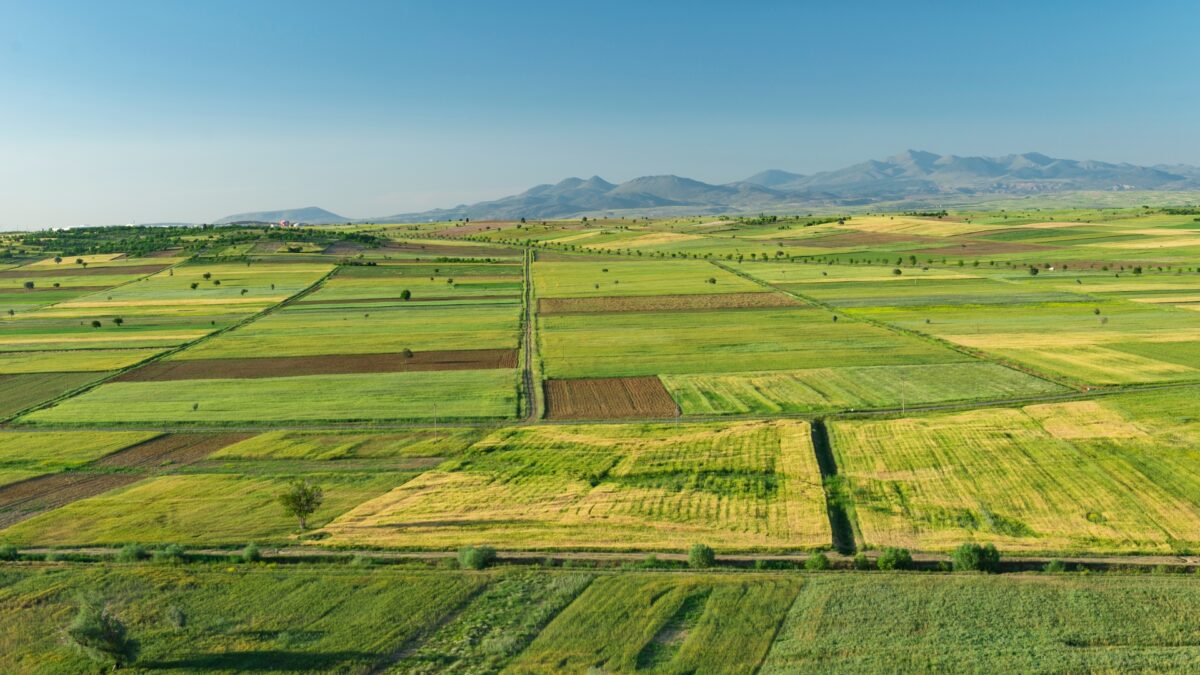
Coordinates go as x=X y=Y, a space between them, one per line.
x=634 y=434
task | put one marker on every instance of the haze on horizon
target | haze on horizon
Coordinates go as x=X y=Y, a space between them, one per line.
x=146 y=111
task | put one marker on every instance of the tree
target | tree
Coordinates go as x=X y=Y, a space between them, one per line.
x=301 y=500
x=29 y=285
x=118 y=320
x=894 y=559
x=1033 y=271
x=405 y=294
x=207 y=276
x=476 y=557
x=701 y=556
x=95 y=323
x=58 y=260
x=975 y=558
x=99 y=635
x=817 y=561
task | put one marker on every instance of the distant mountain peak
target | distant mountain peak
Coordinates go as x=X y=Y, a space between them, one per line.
x=311 y=215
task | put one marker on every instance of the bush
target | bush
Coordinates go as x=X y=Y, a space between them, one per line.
x=99 y=635
x=476 y=557
x=817 y=561
x=132 y=553
x=975 y=558
x=171 y=554
x=360 y=560
x=8 y=552
x=251 y=553
x=862 y=562
x=701 y=556
x=1055 y=567
x=894 y=558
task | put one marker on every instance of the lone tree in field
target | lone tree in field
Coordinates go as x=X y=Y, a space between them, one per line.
x=405 y=294
x=302 y=499
x=99 y=635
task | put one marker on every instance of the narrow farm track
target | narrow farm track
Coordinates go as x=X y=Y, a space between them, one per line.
x=741 y=561
x=533 y=410
x=174 y=350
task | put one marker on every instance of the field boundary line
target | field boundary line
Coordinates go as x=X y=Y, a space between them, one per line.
x=966 y=351
x=174 y=350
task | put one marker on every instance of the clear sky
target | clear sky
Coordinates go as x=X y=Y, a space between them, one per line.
x=161 y=110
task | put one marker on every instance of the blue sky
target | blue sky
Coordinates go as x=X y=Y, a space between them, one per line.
x=161 y=111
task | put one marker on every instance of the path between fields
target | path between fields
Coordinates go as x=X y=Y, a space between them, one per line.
x=925 y=560
x=531 y=384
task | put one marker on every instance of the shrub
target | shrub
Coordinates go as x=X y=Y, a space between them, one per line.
x=817 y=561
x=171 y=554
x=8 y=552
x=862 y=562
x=701 y=556
x=894 y=558
x=251 y=553
x=360 y=560
x=1055 y=567
x=975 y=558
x=132 y=553
x=99 y=635
x=476 y=557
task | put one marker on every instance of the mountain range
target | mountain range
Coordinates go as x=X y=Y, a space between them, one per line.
x=912 y=178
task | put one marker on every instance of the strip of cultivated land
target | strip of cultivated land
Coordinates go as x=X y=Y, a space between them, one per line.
x=330 y=364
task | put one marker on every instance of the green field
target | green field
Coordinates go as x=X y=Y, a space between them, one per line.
x=979 y=624
x=464 y=394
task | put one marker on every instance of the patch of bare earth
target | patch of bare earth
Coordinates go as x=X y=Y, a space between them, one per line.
x=608 y=398
x=664 y=303
x=325 y=364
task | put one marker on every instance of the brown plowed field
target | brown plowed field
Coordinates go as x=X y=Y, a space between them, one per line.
x=608 y=398
x=74 y=270
x=326 y=364
x=28 y=498
x=663 y=303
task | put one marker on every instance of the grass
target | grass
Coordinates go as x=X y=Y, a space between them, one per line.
x=1116 y=475
x=463 y=394
x=664 y=623
x=348 y=445
x=852 y=388
x=48 y=451
x=619 y=277
x=895 y=623
x=634 y=486
x=18 y=392
x=727 y=341
x=78 y=360
x=226 y=620
x=313 y=330
x=208 y=509
x=497 y=625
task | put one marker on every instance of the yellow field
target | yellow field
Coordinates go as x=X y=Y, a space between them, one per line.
x=737 y=486
x=1077 y=476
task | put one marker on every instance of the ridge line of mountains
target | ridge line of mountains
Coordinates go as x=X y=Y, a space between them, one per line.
x=912 y=179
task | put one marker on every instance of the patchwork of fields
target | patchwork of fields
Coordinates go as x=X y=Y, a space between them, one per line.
x=594 y=391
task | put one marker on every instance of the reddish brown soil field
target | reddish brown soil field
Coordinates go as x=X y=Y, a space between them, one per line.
x=663 y=303
x=439 y=251
x=608 y=398
x=473 y=228
x=327 y=364
x=865 y=239
x=74 y=270
x=28 y=498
